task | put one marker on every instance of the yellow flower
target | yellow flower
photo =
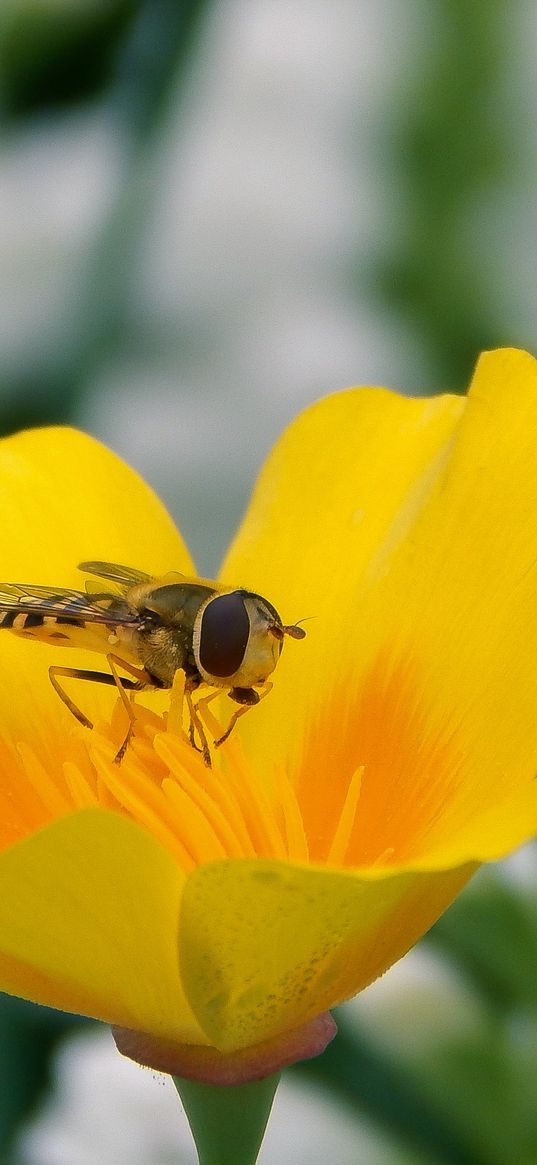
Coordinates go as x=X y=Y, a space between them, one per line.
x=226 y=907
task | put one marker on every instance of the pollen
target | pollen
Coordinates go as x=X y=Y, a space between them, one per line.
x=232 y=809
x=199 y=813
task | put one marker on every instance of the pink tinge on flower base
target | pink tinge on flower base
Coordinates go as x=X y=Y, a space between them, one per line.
x=208 y=1066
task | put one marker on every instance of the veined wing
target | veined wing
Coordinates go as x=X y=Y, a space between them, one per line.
x=126 y=576
x=75 y=607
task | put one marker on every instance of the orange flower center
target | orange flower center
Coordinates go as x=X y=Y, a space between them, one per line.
x=373 y=782
x=200 y=814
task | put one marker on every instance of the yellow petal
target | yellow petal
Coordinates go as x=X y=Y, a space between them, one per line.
x=266 y=946
x=65 y=498
x=468 y=624
x=338 y=493
x=89 y=910
x=420 y=665
x=400 y=740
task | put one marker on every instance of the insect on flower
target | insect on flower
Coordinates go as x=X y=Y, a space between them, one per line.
x=151 y=628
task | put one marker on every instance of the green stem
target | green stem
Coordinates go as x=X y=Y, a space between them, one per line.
x=228 y=1124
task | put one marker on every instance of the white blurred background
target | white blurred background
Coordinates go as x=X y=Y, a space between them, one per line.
x=235 y=254
x=313 y=195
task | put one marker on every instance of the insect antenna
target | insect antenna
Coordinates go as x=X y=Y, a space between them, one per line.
x=294 y=630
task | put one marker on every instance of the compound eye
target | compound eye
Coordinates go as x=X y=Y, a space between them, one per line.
x=224 y=633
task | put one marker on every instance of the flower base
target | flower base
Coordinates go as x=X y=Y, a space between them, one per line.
x=209 y=1066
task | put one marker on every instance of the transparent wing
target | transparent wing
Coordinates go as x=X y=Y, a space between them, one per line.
x=103 y=608
x=126 y=576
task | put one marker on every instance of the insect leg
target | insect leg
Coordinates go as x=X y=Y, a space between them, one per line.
x=236 y=716
x=76 y=673
x=196 y=725
x=122 y=683
x=143 y=680
x=245 y=705
x=200 y=705
x=204 y=700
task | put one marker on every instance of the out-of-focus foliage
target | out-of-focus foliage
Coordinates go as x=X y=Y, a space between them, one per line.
x=449 y=1049
x=57 y=60
x=450 y=142
x=209 y=214
x=28 y=1038
x=58 y=52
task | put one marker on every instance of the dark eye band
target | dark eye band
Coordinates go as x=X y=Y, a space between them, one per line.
x=224 y=633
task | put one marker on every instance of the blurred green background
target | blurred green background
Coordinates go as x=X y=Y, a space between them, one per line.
x=212 y=213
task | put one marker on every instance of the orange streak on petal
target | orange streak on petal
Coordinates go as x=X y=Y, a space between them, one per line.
x=297 y=842
x=411 y=769
x=412 y=766
x=342 y=836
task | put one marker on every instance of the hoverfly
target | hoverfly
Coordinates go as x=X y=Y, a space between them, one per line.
x=150 y=628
